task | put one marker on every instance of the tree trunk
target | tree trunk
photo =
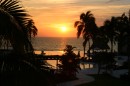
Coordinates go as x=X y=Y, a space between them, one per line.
x=129 y=65
x=128 y=51
x=119 y=47
x=111 y=46
x=89 y=49
x=84 y=51
x=99 y=68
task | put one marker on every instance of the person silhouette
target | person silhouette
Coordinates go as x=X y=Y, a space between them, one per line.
x=78 y=54
x=42 y=52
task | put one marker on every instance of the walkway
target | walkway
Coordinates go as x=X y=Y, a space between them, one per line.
x=82 y=78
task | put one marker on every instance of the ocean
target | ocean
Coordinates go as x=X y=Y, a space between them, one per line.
x=56 y=45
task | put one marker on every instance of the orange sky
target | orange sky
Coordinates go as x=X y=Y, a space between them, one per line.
x=50 y=15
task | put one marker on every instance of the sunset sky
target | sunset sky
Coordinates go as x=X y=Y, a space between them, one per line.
x=55 y=18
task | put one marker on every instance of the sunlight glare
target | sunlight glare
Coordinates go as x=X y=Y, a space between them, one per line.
x=63 y=29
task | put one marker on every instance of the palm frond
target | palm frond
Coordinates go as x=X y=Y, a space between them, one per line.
x=129 y=15
x=31 y=28
x=16 y=10
x=79 y=29
x=107 y=22
x=89 y=14
x=11 y=4
x=77 y=23
x=82 y=16
x=16 y=18
x=35 y=31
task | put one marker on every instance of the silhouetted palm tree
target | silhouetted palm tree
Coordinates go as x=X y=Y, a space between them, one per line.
x=13 y=25
x=69 y=63
x=31 y=29
x=17 y=68
x=101 y=40
x=13 y=20
x=110 y=30
x=86 y=26
x=124 y=36
x=128 y=48
x=122 y=28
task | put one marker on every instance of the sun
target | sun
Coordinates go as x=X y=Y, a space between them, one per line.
x=63 y=29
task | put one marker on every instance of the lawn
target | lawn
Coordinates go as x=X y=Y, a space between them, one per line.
x=106 y=80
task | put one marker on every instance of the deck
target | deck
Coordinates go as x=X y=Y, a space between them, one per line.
x=49 y=57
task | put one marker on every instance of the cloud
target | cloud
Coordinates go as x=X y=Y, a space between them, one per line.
x=47 y=13
x=118 y=1
x=50 y=1
x=113 y=0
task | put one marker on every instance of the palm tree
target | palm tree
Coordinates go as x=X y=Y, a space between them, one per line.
x=13 y=25
x=13 y=20
x=101 y=40
x=13 y=31
x=128 y=51
x=69 y=63
x=109 y=26
x=87 y=27
x=31 y=29
x=122 y=28
x=123 y=31
x=124 y=36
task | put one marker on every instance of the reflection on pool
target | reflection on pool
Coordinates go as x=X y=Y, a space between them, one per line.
x=83 y=65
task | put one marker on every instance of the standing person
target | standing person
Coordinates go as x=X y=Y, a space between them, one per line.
x=42 y=52
x=78 y=54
